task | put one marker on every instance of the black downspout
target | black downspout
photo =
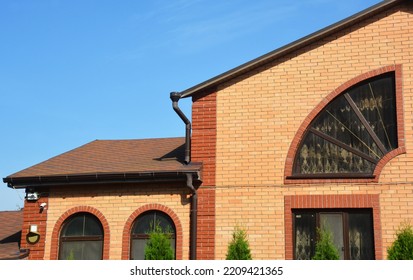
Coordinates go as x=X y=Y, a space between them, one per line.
x=175 y=96
x=193 y=217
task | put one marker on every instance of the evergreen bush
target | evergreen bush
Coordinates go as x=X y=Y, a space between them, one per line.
x=325 y=248
x=238 y=248
x=158 y=246
x=402 y=247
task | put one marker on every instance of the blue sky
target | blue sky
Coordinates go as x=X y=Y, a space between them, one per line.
x=72 y=71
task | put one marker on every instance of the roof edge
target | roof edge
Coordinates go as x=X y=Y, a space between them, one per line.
x=102 y=178
x=297 y=44
x=21 y=254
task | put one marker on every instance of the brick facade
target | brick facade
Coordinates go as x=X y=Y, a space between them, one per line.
x=262 y=114
x=32 y=215
x=117 y=206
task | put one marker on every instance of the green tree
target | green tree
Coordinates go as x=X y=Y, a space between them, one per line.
x=402 y=247
x=158 y=246
x=325 y=248
x=238 y=248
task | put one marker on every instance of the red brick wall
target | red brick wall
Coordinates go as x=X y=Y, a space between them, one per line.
x=32 y=215
x=203 y=150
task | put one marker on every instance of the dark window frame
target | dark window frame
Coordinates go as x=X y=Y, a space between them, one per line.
x=345 y=212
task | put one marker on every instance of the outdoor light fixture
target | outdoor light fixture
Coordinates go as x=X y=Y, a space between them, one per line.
x=33 y=236
x=32 y=196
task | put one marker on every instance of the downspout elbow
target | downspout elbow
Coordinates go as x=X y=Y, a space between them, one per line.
x=175 y=96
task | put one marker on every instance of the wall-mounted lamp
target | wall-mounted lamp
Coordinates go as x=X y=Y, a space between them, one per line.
x=33 y=236
x=32 y=196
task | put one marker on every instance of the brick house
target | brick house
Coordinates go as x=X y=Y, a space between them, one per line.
x=314 y=134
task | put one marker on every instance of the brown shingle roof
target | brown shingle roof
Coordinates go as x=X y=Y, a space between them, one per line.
x=102 y=158
x=10 y=234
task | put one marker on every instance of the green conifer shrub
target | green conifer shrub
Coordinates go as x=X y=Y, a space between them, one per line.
x=158 y=246
x=325 y=248
x=238 y=248
x=402 y=247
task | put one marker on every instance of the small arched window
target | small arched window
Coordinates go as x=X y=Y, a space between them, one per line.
x=81 y=238
x=352 y=133
x=141 y=228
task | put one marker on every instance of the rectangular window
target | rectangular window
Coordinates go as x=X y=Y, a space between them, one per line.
x=351 y=229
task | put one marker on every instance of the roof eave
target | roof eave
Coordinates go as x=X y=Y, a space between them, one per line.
x=101 y=178
x=19 y=255
x=300 y=43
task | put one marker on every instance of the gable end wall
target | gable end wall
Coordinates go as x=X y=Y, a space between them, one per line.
x=258 y=115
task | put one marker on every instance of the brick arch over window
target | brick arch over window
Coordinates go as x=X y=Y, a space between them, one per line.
x=126 y=236
x=301 y=132
x=58 y=226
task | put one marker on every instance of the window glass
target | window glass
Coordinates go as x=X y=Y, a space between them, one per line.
x=304 y=235
x=339 y=121
x=319 y=156
x=352 y=133
x=147 y=220
x=361 y=243
x=74 y=227
x=376 y=101
x=82 y=250
x=81 y=238
x=138 y=248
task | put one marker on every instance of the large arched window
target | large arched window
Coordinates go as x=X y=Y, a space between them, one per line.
x=352 y=133
x=81 y=238
x=141 y=228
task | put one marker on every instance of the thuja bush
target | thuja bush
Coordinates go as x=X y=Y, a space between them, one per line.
x=239 y=248
x=402 y=247
x=325 y=248
x=158 y=246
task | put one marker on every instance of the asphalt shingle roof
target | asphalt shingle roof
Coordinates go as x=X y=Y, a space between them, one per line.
x=10 y=234
x=159 y=155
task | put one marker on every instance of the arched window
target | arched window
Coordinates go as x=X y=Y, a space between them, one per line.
x=141 y=228
x=81 y=238
x=352 y=133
